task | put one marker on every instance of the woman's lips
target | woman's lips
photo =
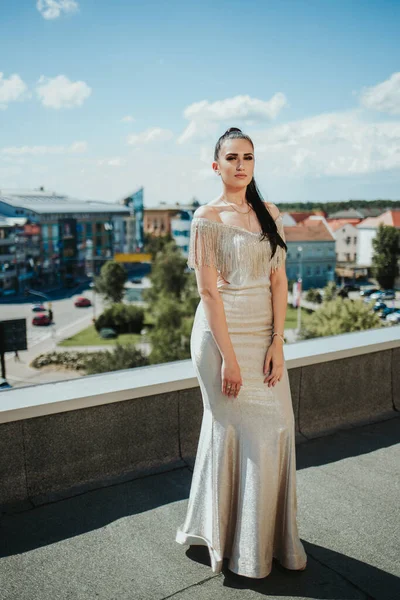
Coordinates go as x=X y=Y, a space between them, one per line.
x=242 y=175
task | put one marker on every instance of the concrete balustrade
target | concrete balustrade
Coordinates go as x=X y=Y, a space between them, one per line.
x=57 y=440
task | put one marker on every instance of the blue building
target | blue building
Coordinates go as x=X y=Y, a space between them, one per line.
x=311 y=254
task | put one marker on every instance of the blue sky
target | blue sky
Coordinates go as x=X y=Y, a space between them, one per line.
x=99 y=98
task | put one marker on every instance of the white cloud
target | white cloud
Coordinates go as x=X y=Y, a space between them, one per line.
x=127 y=119
x=334 y=144
x=206 y=117
x=117 y=161
x=383 y=97
x=60 y=92
x=75 y=148
x=52 y=9
x=11 y=89
x=154 y=134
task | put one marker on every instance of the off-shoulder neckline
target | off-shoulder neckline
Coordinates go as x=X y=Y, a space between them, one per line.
x=234 y=226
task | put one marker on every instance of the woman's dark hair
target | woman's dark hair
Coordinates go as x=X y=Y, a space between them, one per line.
x=253 y=195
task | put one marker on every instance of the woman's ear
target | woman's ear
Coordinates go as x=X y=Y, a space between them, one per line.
x=215 y=166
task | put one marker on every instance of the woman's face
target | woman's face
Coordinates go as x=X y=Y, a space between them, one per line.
x=235 y=162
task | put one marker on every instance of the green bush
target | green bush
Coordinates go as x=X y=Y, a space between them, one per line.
x=69 y=360
x=313 y=295
x=123 y=318
x=340 y=316
x=122 y=357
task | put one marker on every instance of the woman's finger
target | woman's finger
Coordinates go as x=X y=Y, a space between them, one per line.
x=274 y=377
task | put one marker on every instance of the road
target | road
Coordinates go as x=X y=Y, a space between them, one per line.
x=65 y=316
x=68 y=320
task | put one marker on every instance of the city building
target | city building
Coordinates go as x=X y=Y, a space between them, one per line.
x=300 y=216
x=18 y=249
x=367 y=231
x=311 y=254
x=287 y=219
x=357 y=213
x=157 y=219
x=76 y=236
x=180 y=230
x=345 y=235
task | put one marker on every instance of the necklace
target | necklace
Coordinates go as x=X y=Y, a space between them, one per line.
x=241 y=213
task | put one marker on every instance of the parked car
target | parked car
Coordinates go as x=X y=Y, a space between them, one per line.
x=38 y=308
x=41 y=319
x=108 y=333
x=368 y=292
x=4 y=385
x=394 y=317
x=379 y=305
x=388 y=295
x=351 y=287
x=388 y=310
x=376 y=295
x=82 y=302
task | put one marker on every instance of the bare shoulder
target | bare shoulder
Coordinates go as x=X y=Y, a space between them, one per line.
x=272 y=209
x=207 y=211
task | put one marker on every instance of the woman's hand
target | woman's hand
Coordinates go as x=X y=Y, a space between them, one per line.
x=274 y=362
x=231 y=377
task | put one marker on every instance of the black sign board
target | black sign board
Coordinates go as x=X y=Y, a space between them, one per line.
x=13 y=335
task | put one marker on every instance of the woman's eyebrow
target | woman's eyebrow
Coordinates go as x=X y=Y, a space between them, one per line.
x=235 y=154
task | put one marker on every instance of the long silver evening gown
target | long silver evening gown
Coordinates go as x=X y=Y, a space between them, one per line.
x=242 y=502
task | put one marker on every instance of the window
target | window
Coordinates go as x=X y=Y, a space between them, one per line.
x=54 y=234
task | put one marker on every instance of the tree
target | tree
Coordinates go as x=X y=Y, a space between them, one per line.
x=111 y=282
x=153 y=244
x=123 y=318
x=168 y=274
x=340 y=316
x=167 y=338
x=386 y=251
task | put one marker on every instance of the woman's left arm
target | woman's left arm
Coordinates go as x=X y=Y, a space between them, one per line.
x=279 y=293
x=275 y=357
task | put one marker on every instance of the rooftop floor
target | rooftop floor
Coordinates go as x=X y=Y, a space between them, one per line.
x=118 y=542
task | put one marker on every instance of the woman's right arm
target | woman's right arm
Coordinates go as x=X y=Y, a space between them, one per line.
x=206 y=277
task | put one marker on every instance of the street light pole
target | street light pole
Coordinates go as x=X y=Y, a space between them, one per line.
x=299 y=285
x=16 y=240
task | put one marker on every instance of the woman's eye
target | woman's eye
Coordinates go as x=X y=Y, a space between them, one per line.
x=247 y=158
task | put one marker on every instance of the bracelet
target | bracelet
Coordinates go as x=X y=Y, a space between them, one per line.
x=279 y=335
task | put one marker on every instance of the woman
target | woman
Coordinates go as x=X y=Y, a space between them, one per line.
x=242 y=502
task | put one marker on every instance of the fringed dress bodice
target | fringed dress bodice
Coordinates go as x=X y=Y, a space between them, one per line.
x=240 y=256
